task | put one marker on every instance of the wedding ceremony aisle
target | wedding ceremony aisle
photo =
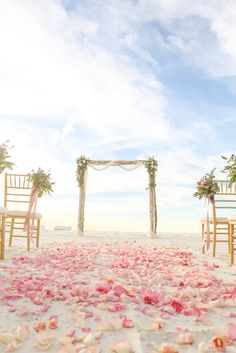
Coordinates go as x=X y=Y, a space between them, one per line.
x=107 y=295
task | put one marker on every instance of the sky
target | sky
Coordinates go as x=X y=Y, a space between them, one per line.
x=119 y=79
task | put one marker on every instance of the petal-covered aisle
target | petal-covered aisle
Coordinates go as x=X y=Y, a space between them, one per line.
x=120 y=296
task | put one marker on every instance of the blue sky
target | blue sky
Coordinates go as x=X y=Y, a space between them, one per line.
x=119 y=80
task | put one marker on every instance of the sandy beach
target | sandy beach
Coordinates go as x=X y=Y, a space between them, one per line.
x=105 y=288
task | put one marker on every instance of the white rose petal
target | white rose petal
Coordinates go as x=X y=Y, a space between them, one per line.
x=122 y=347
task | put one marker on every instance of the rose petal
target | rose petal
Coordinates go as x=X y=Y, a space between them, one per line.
x=40 y=326
x=53 y=323
x=6 y=337
x=22 y=333
x=44 y=341
x=231 y=328
x=122 y=347
x=185 y=338
x=13 y=346
x=168 y=348
x=128 y=323
x=203 y=348
x=89 y=340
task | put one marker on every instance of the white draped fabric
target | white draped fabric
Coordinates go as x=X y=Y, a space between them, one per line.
x=109 y=164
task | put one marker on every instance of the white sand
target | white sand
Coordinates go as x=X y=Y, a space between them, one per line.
x=141 y=340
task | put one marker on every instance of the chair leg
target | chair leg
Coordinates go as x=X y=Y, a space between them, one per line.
x=11 y=231
x=38 y=233
x=28 y=238
x=214 y=241
x=232 y=244
x=203 y=238
x=229 y=240
x=2 y=235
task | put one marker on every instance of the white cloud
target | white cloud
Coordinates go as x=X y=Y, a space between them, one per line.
x=69 y=86
x=203 y=31
x=48 y=71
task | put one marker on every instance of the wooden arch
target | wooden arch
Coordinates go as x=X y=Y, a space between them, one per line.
x=151 y=165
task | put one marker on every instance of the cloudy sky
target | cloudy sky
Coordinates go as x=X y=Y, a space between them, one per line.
x=119 y=79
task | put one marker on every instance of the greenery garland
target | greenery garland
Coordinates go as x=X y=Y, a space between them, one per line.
x=151 y=166
x=82 y=165
x=41 y=181
x=4 y=155
x=230 y=168
x=207 y=187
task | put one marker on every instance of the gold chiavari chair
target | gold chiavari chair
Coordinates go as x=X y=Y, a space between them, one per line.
x=17 y=191
x=224 y=201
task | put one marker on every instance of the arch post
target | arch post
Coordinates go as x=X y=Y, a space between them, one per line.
x=152 y=210
x=81 y=209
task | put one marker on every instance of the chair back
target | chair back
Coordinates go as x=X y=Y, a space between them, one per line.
x=17 y=191
x=225 y=199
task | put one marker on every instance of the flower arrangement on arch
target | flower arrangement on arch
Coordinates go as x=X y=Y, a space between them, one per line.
x=230 y=168
x=207 y=187
x=151 y=166
x=41 y=181
x=4 y=155
x=82 y=165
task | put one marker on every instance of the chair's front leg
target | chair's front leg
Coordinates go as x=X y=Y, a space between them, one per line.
x=203 y=238
x=38 y=233
x=28 y=237
x=2 y=235
x=11 y=231
x=232 y=244
x=229 y=240
x=214 y=241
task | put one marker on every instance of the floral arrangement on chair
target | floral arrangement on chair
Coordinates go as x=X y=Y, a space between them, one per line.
x=82 y=165
x=207 y=187
x=41 y=181
x=151 y=166
x=4 y=155
x=230 y=168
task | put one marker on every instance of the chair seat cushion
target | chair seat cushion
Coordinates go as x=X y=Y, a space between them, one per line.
x=3 y=211
x=218 y=220
x=21 y=214
x=232 y=218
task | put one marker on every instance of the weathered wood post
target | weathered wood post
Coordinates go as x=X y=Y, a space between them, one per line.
x=152 y=209
x=81 y=210
x=82 y=165
x=154 y=230
x=151 y=166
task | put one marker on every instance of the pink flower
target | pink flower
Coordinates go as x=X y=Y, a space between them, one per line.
x=218 y=343
x=103 y=288
x=179 y=307
x=118 y=290
x=86 y=329
x=37 y=301
x=116 y=307
x=40 y=326
x=53 y=322
x=128 y=323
